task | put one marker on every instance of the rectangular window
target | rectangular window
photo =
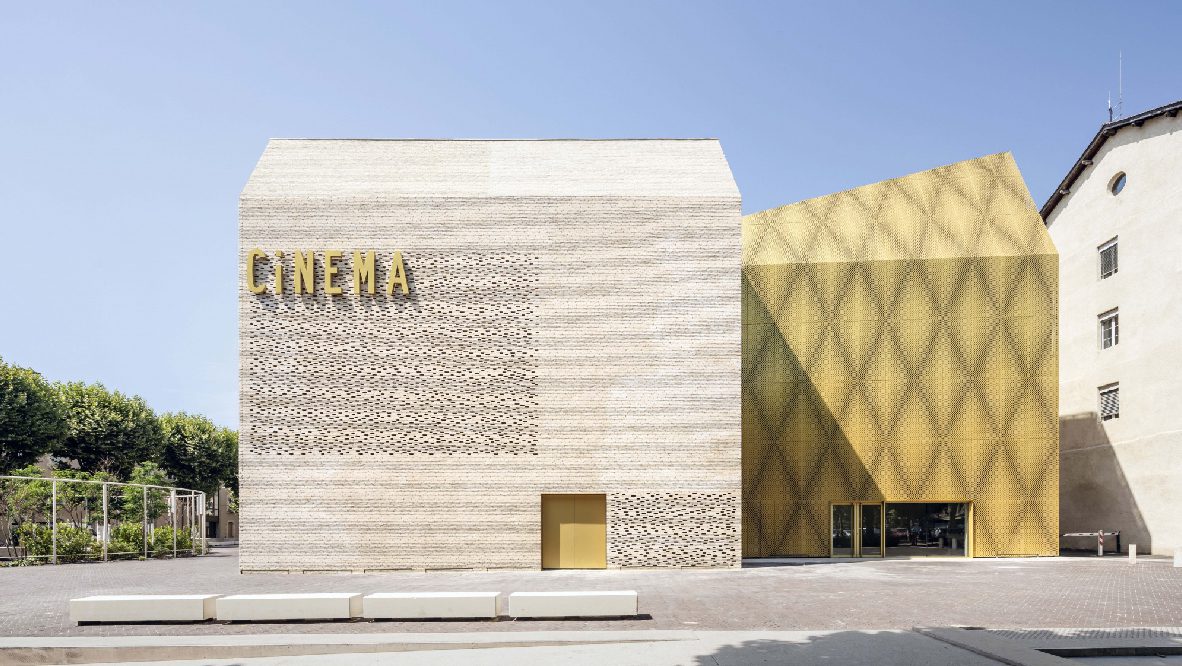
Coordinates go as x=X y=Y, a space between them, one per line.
x=1109 y=329
x=1108 y=259
x=1109 y=402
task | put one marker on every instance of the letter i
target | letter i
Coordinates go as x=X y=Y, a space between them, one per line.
x=279 y=273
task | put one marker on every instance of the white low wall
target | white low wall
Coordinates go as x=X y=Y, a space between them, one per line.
x=572 y=604
x=143 y=608
x=416 y=605
x=311 y=606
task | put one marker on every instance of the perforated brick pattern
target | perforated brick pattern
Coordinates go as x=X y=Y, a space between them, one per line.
x=672 y=529
x=900 y=343
x=572 y=326
x=458 y=360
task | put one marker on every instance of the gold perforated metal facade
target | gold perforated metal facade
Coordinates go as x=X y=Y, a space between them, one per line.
x=900 y=345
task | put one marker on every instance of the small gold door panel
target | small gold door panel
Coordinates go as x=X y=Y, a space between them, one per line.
x=574 y=531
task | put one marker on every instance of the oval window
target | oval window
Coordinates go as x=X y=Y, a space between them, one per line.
x=1117 y=184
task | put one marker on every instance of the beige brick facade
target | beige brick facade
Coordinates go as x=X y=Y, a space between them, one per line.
x=572 y=326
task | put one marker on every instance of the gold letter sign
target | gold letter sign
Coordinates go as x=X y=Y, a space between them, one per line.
x=397 y=276
x=303 y=272
x=363 y=271
x=251 y=257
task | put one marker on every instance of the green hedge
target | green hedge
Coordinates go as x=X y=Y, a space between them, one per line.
x=162 y=542
x=74 y=544
x=127 y=539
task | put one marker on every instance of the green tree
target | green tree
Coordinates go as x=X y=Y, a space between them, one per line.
x=132 y=505
x=231 y=478
x=32 y=417
x=82 y=503
x=107 y=431
x=24 y=501
x=199 y=454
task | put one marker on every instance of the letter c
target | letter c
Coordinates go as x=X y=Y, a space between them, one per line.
x=254 y=254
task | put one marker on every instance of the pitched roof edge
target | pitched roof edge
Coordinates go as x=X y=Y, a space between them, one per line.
x=496 y=140
x=886 y=180
x=1106 y=130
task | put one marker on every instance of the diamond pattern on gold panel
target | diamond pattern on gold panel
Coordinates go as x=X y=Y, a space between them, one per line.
x=900 y=343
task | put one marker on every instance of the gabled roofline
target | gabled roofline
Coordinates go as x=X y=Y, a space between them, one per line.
x=502 y=140
x=1085 y=160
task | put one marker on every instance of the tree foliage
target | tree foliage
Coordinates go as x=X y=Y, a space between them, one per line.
x=82 y=503
x=24 y=500
x=74 y=544
x=199 y=454
x=27 y=501
x=132 y=506
x=106 y=430
x=32 y=417
x=230 y=480
x=161 y=543
x=111 y=437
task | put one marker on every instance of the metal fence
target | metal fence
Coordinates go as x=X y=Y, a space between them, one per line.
x=131 y=516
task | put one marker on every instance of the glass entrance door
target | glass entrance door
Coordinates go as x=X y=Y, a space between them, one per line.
x=841 y=543
x=870 y=530
x=932 y=528
x=856 y=530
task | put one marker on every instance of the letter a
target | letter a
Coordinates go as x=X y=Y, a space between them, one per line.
x=397 y=276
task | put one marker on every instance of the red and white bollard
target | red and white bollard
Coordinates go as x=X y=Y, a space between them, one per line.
x=1100 y=544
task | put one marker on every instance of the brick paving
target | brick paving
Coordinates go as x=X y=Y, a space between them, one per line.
x=819 y=595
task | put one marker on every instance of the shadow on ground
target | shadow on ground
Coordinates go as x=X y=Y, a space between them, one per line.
x=881 y=648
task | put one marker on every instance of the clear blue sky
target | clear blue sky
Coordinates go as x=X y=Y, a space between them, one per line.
x=128 y=129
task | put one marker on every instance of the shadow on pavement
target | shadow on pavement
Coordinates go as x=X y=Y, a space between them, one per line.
x=761 y=563
x=880 y=648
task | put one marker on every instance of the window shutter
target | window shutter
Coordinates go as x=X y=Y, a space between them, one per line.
x=1108 y=260
x=1110 y=403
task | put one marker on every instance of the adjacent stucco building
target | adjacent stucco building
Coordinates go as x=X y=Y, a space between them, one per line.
x=537 y=366
x=1115 y=220
x=900 y=370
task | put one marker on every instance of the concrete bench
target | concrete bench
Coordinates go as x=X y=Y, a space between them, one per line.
x=309 y=606
x=419 y=605
x=572 y=604
x=143 y=608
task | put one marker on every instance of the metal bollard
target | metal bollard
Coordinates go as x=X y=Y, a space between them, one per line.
x=1132 y=553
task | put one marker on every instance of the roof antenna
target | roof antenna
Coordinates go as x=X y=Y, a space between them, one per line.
x=1120 y=83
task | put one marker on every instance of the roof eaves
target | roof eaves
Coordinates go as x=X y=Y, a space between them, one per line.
x=1085 y=160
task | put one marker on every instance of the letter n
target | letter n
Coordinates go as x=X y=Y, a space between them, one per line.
x=305 y=272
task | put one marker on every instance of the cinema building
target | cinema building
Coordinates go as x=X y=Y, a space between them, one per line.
x=579 y=354
x=900 y=370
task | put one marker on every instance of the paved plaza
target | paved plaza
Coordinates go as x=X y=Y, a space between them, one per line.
x=801 y=595
x=689 y=648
